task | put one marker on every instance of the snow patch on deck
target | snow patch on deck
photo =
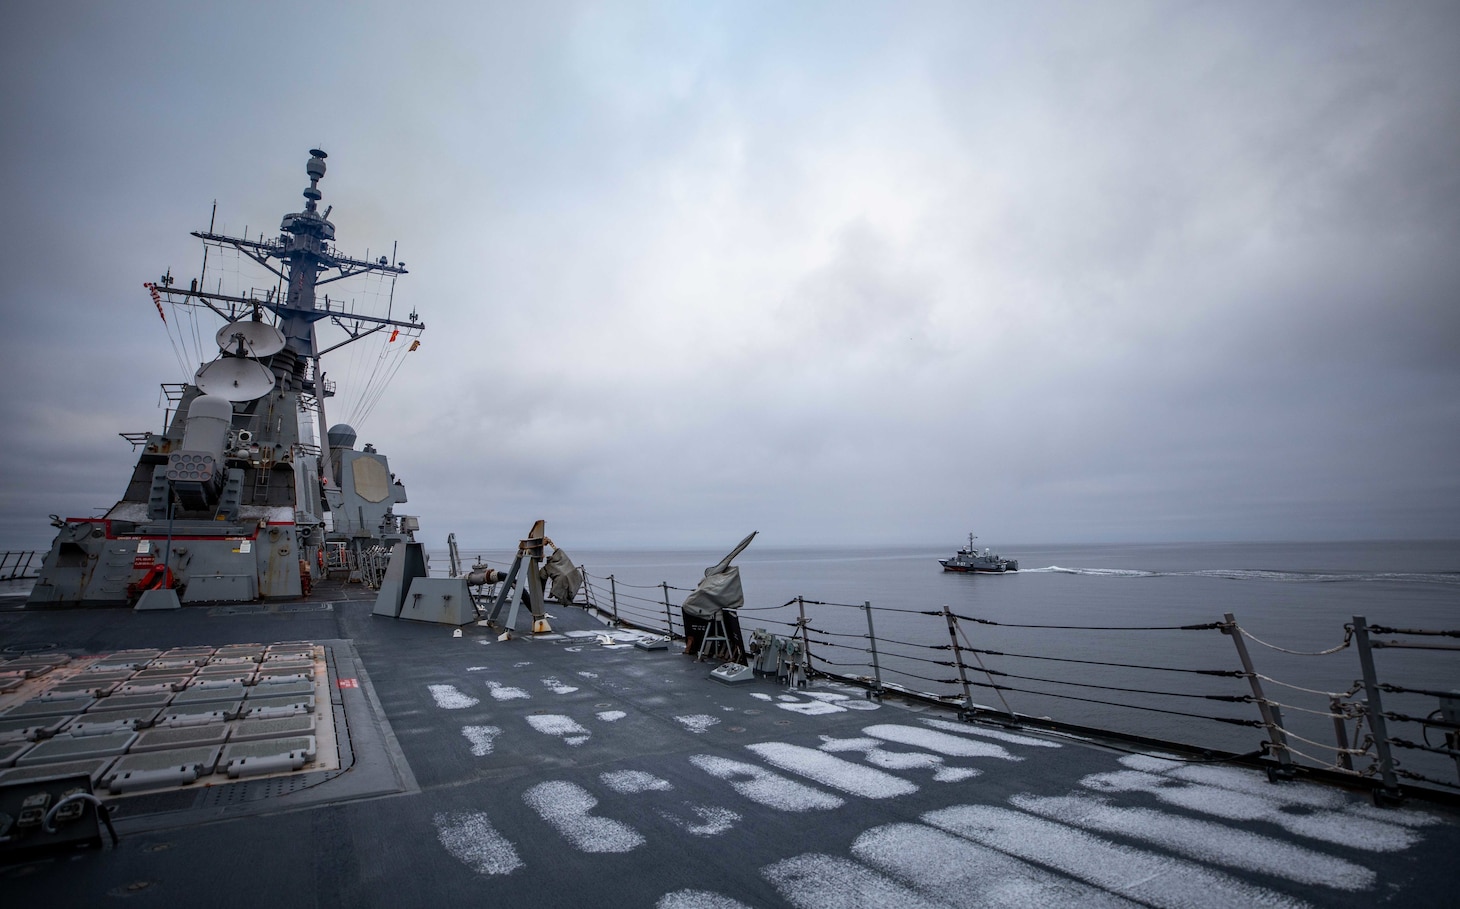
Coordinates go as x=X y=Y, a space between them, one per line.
x=471 y=839
x=448 y=697
x=566 y=806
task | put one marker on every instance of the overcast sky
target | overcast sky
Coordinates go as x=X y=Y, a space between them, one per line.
x=837 y=272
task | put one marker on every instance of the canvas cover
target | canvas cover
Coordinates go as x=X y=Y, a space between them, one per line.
x=719 y=594
x=719 y=589
x=565 y=577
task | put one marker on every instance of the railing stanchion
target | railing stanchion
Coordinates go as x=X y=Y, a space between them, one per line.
x=613 y=597
x=876 y=692
x=1375 y=709
x=1271 y=716
x=805 y=638
x=668 y=615
x=968 y=709
x=1340 y=733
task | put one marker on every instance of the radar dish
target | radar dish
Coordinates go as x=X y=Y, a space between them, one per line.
x=260 y=339
x=235 y=378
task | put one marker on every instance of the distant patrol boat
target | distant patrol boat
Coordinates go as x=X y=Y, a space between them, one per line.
x=971 y=559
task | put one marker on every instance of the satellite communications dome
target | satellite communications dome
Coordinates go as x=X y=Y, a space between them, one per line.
x=342 y=435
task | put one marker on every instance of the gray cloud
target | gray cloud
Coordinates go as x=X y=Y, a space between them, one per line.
x=840 y=273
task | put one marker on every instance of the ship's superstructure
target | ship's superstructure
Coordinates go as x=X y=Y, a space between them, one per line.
x=233 y=500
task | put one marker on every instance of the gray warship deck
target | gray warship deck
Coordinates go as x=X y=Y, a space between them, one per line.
x=576 y=769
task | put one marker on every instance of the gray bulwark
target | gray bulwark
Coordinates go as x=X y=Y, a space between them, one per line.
x=152 y=770
x=269 y=756
x=214 y=734
x=78 y=747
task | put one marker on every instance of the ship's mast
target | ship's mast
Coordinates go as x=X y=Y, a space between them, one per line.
x=300 y=256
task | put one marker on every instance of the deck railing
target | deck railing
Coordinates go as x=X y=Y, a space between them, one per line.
x=18 y=564
x=1374 y=732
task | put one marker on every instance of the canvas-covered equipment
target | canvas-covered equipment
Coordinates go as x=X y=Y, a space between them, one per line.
x=718 y=595
x=565 y=577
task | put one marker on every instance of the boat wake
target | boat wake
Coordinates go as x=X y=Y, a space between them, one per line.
x=1444 y=578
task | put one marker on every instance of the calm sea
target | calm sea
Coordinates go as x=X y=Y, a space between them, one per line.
x=1292 y=596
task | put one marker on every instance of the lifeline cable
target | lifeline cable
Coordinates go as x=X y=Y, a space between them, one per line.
x=1347 y=639
x=1227 y=698
x=1208 y=626
x=1255 y=724
x=1223 y=673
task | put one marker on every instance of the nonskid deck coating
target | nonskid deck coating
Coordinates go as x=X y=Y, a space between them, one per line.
x=578 y=770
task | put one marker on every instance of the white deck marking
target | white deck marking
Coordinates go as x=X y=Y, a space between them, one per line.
x=558 y=687
x=833 y=744
x=565 y=727
x=1205 y=841
x=1239 y=780
x=481 y=738
x=815 y=881
x=1153 y=879
x=699 y=722
x=506 y=692
x=587 y=675
x=878 y=756
x=449 y=698
x=967 y=875
x=970 y=729
x=608 y=716
x=764 y=787
x=810 y=708
x=566 y=805
x=941 y=742
x=1310 y=795
x=472 y=840
x=1342 y=828
x=628 y=782
x=760 y=696
x=714 y=820
x=833 y=771
x=697 y=899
